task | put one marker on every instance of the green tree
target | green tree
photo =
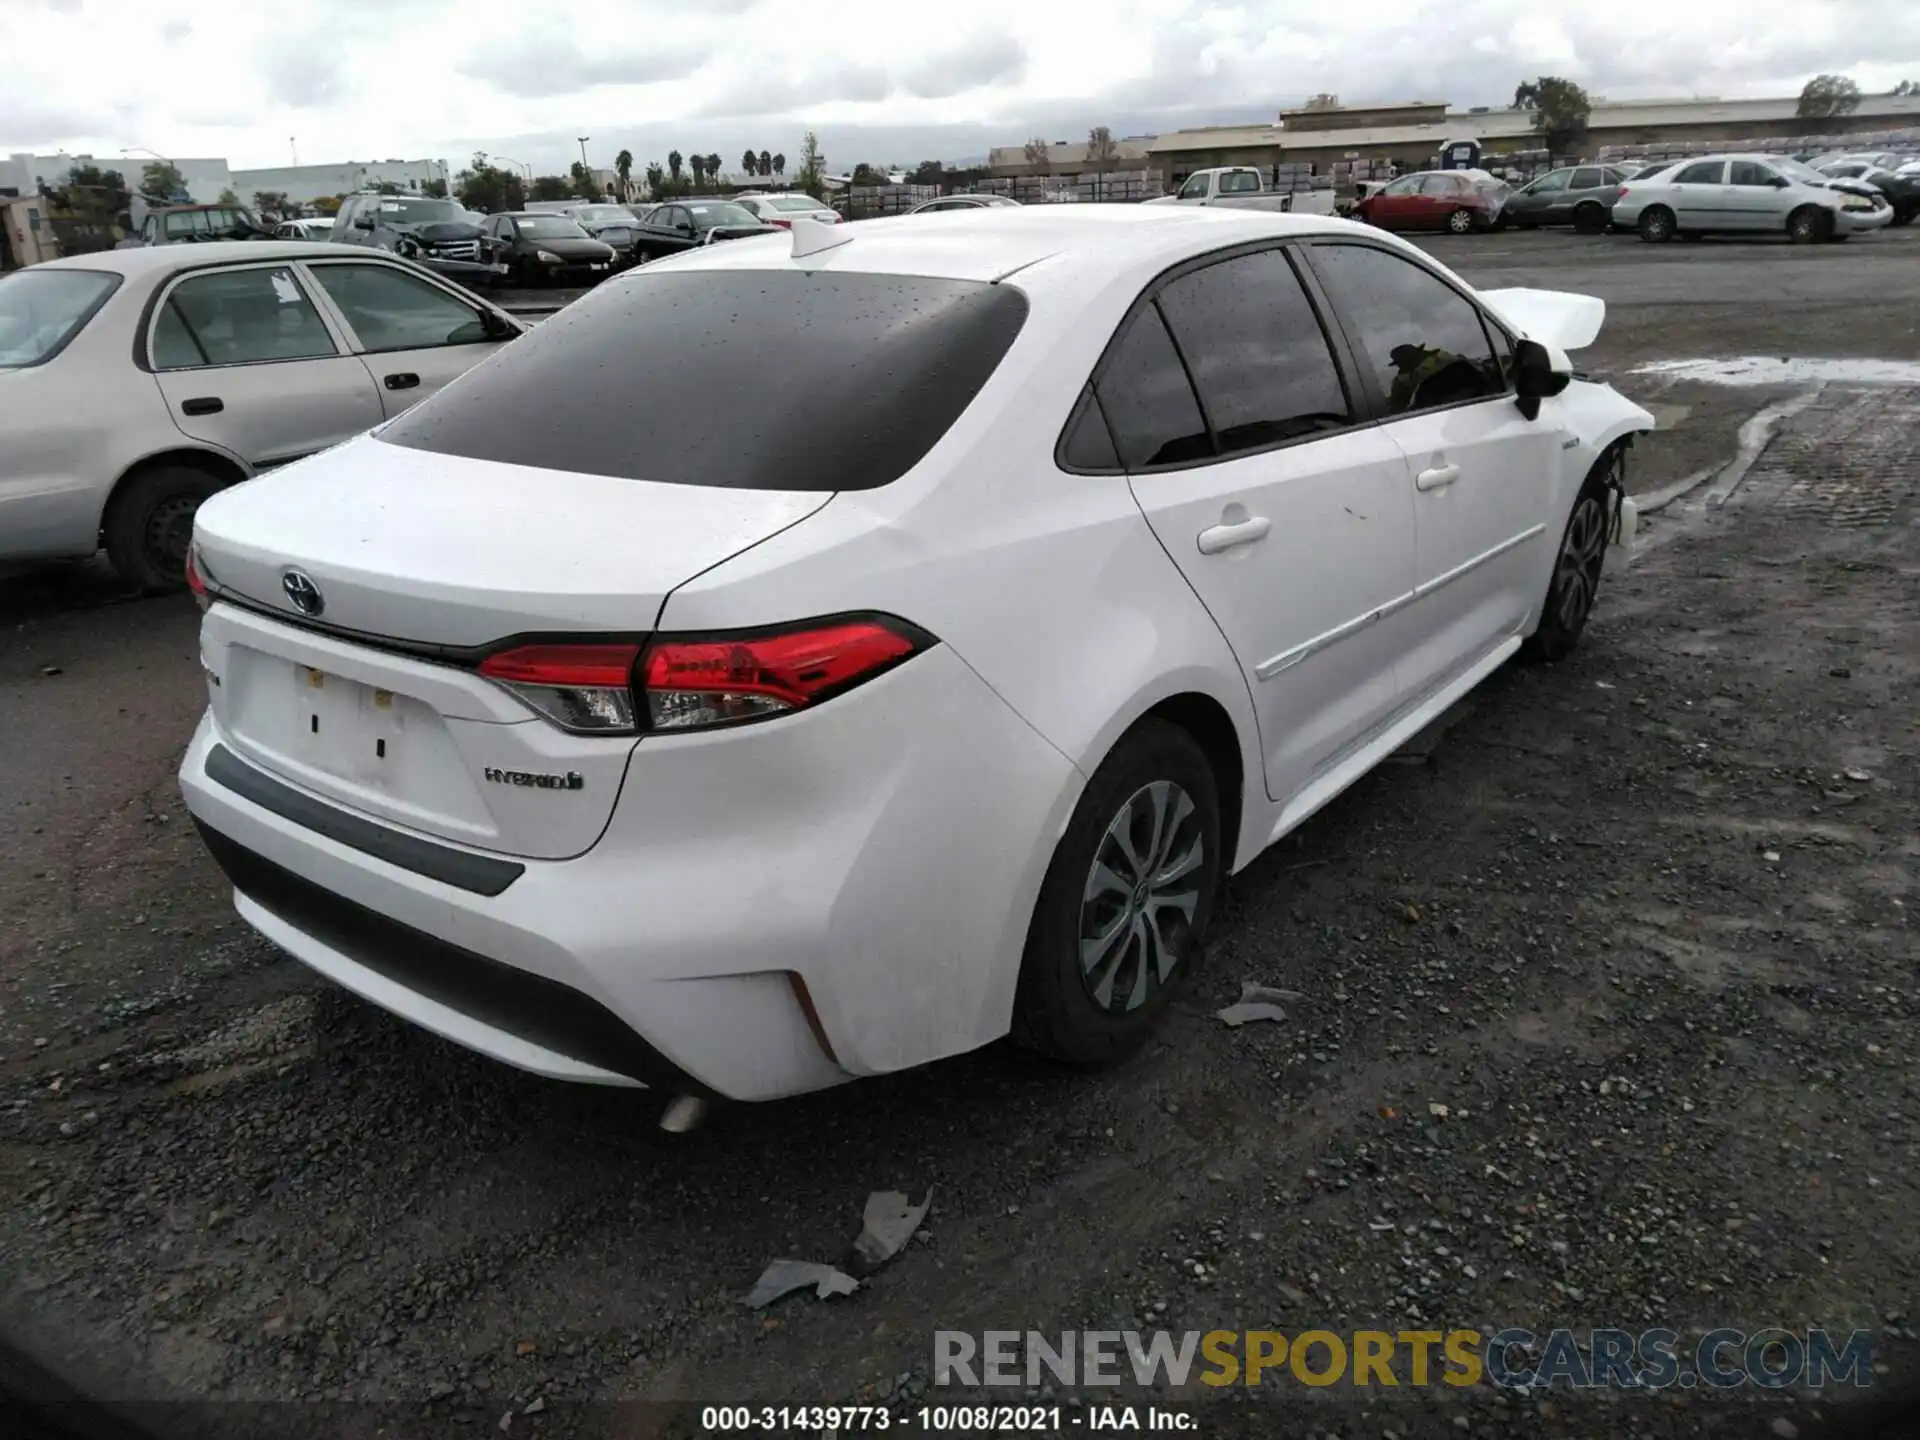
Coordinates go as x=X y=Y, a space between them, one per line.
x=780 y=165
x=656 y=178
x=811 y=177
x=765 y=163
x=674 y=161
x=697 y=164
x=585 y=187
x=489 y=188
x=623 y=167
x=865 y=174
x=1560 y=109
x=750 y=162
x=161 y=180
x=435 y=188
x=1906 y=87
x=928 y=172
x=270 y=202
x=713 y=169
x=1827 y=97
x=551 y=187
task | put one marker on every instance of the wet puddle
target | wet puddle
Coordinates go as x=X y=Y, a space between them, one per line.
x=1777 y=370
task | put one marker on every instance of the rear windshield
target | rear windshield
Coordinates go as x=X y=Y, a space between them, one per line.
x=743 y=379
x=41 y=310
x=792 y=202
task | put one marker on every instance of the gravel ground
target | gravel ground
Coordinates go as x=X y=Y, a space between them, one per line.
x=1608 y=1017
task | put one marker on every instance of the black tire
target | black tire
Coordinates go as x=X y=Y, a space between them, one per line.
x=1657 y=225
x=1057 y=1010
x=1808 y=225
x=1904 y=215
x=1460 y=222
x=1589 y=218
x=1578 y=564
x=150 y=524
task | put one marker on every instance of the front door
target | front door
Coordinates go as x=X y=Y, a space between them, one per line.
x=247 y=362
x=1757 y=200
x=1287 y=515
x=1479 y=475
x=413 y=335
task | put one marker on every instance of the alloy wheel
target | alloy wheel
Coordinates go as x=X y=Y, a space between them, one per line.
x=1460 y=222
x=1142 y=890
x=1576 y=576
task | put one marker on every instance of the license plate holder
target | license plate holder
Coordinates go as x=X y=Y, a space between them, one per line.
x=347 y=729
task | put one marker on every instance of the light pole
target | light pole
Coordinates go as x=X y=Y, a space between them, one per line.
x=583 y=156
x=517 y=164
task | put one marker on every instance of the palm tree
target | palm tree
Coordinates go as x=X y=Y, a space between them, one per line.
x=780 y=165
x=766 y=163
x=713 y=169
x=750 y=163
x=697 y=164
x=623 y=167
x=656 y=177
x=674 y=162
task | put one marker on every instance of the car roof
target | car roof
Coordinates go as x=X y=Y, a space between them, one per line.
x=1005 y=238
x=162 y=259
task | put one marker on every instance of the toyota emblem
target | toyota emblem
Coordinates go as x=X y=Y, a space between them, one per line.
x=304 y=594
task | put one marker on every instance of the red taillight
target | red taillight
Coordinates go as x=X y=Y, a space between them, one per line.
x=781 y=224
x=196 y=582
x=697 y=681
x=584 y=688
x=1623 y=193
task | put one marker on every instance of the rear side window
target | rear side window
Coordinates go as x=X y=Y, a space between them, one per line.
x=1148 y=400
x=1255 y=350
x=738 y=379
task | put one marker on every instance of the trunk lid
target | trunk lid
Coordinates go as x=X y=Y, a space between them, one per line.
x=419 y=558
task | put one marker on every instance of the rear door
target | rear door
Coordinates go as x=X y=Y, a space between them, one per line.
x=249 y=363
x=413 y=334
x=1440 y=195
x=1480 y=476
x=1286 y=512
x=1699 y=196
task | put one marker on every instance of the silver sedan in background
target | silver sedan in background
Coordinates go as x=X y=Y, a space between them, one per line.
x=1748 y=194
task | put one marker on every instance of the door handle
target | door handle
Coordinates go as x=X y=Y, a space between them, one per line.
x=405 y=380
x=1438 y=478
x=1216 y=538
x=203 y=405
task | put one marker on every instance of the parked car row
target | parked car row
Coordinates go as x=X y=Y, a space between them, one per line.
x=1711 y=194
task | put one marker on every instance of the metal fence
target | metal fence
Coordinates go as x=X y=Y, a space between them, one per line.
x=865 y=202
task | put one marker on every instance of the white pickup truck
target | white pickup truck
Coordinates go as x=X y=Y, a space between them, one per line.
x=1243 y=188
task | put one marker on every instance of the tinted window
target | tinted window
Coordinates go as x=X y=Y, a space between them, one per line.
x=1707 y=172
x=723 y=212
x=1748 y=172
x=1421 y=338
x=1255 y=350
x=42 y=309
x=392 y=310
x=775 y=380
x=237 y=317
x=1089 y=444
x=1551 y=182
x=1148 y=400
x=1587 y=180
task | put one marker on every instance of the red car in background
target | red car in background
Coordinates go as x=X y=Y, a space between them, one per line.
x=1459 y=201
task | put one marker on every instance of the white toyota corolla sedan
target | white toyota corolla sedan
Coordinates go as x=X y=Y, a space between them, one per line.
x=816 y=655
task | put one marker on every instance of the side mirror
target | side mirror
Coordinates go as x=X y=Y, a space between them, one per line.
x=363 y=222
x=1538 y=371
x=497 y=326
x=1779 y=182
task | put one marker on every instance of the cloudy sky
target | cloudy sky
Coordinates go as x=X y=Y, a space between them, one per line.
x=882 y=82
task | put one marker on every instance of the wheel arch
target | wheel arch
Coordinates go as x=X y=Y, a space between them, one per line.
x=226 y=468
x=1212 y=729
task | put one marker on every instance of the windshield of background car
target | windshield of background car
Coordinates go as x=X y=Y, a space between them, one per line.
x=41 y=310
x=853 y=378
x=791 y=202
x=724 y=212
x=1792 y=168
x=550 y=227
x=422 y=212
x=602 y=213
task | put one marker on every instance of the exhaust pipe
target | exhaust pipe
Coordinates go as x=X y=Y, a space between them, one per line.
x=683 y=1114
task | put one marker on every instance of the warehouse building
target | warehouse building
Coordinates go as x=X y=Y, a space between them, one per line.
x=1411 y=133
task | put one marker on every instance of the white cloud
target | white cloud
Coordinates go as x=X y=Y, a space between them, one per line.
x=371 y=79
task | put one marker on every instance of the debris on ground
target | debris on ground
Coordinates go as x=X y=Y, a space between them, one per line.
x=1258 y=1002
x=889 y=1224
x=783 y=1277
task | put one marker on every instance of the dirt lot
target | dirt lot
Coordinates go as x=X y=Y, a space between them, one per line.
x=1609 y=1016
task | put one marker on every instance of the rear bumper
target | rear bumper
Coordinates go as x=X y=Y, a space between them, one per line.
x=884 y=853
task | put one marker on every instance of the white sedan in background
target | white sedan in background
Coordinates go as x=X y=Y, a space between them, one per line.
x=135 y=383
x=783 y=210
x=584 y=721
